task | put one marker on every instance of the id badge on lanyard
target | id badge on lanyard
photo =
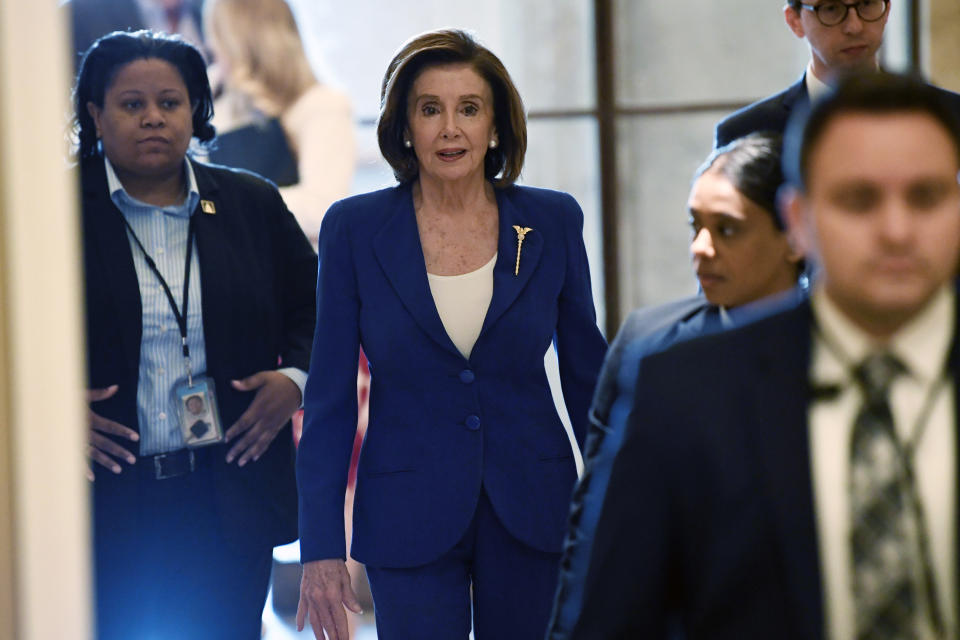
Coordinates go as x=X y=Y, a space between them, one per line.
x=195 y=399
x=197 y=410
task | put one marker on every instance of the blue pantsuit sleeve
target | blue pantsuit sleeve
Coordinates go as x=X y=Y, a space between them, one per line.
x=330 y=405
x=580 y=346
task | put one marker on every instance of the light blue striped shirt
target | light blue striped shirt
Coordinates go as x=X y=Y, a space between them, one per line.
x=163 y=233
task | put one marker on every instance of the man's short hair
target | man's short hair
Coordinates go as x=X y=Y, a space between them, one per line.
x=877 y=93
x=794 y=4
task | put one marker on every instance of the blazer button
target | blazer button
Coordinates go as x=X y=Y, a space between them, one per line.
x=466 y=376
x=473 y=423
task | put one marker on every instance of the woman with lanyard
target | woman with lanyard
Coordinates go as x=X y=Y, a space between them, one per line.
x=199 y=320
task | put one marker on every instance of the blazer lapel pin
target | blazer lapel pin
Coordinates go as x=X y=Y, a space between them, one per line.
x=521 y=233
x=207 y=206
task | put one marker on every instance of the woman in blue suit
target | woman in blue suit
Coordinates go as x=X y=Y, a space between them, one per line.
x=455 y=282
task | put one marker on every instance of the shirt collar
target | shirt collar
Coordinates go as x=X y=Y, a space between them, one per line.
x=815 y=86
x=121 y=198
x=725 y=320
x=922 y=344
x=750 y=311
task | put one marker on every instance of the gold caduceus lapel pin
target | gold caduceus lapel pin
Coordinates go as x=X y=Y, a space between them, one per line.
x=521 y=233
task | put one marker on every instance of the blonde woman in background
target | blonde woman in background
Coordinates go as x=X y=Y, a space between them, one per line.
x=265 y=74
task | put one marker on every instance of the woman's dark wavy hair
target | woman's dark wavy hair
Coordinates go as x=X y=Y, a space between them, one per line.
x=443 y=47
x=109 y=54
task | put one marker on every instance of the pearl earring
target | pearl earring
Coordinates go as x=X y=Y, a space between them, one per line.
x=493 y=143
x=407 y=144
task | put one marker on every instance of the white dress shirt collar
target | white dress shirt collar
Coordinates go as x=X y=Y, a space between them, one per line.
x=118 y=193
x=816 y=87
x=922 y=344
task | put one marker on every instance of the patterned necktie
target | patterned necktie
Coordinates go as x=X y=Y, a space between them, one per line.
x=887 y=537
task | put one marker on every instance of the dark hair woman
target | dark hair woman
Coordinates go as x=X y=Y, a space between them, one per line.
x=746 y=268
x=455 y=282
x=198 y=282
x=739 y=248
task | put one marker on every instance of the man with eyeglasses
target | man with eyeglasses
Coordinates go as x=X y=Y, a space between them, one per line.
x=844 y=37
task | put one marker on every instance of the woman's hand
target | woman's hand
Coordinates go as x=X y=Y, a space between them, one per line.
x=102 y=449
x=324 y=591
x=278 y=397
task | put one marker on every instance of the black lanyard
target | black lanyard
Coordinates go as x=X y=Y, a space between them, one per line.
x=181 y=316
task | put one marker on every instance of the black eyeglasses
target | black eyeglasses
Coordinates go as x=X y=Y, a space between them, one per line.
x=832 y=13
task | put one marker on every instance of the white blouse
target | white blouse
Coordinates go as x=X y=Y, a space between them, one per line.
x=462 y=303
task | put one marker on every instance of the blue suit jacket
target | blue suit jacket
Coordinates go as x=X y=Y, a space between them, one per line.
x=773 y=113
x=708 y=523
x=441 y=425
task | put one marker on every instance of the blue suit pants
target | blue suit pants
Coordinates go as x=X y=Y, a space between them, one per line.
x=506 y=585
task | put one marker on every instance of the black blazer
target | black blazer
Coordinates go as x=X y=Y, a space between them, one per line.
x=708 y=522
x=257 y=274
x=769 y=114
x=773 y=113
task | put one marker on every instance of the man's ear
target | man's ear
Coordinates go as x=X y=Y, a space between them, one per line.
x=94 y=112
x=796 y=216
x=792 y=16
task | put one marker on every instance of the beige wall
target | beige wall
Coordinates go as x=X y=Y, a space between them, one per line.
x=44 y=532
x=7 y=606
x=940 y=34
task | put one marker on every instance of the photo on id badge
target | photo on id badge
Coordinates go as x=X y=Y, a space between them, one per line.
x=199 y=420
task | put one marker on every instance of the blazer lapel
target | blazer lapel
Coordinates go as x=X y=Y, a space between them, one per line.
x=783 y=451
x=797 y=95
x=506 y=285
x=214 y=257
x=698 y=324
x=106 y=236
x=398 y=250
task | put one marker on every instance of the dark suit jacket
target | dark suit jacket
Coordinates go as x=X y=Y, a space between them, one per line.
x=261 y=147
x=656 y=328
x=769 y=114
x=708 y=521
x=257 y=275
x=644 y=331
x=441 y=426
x=773 y=113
